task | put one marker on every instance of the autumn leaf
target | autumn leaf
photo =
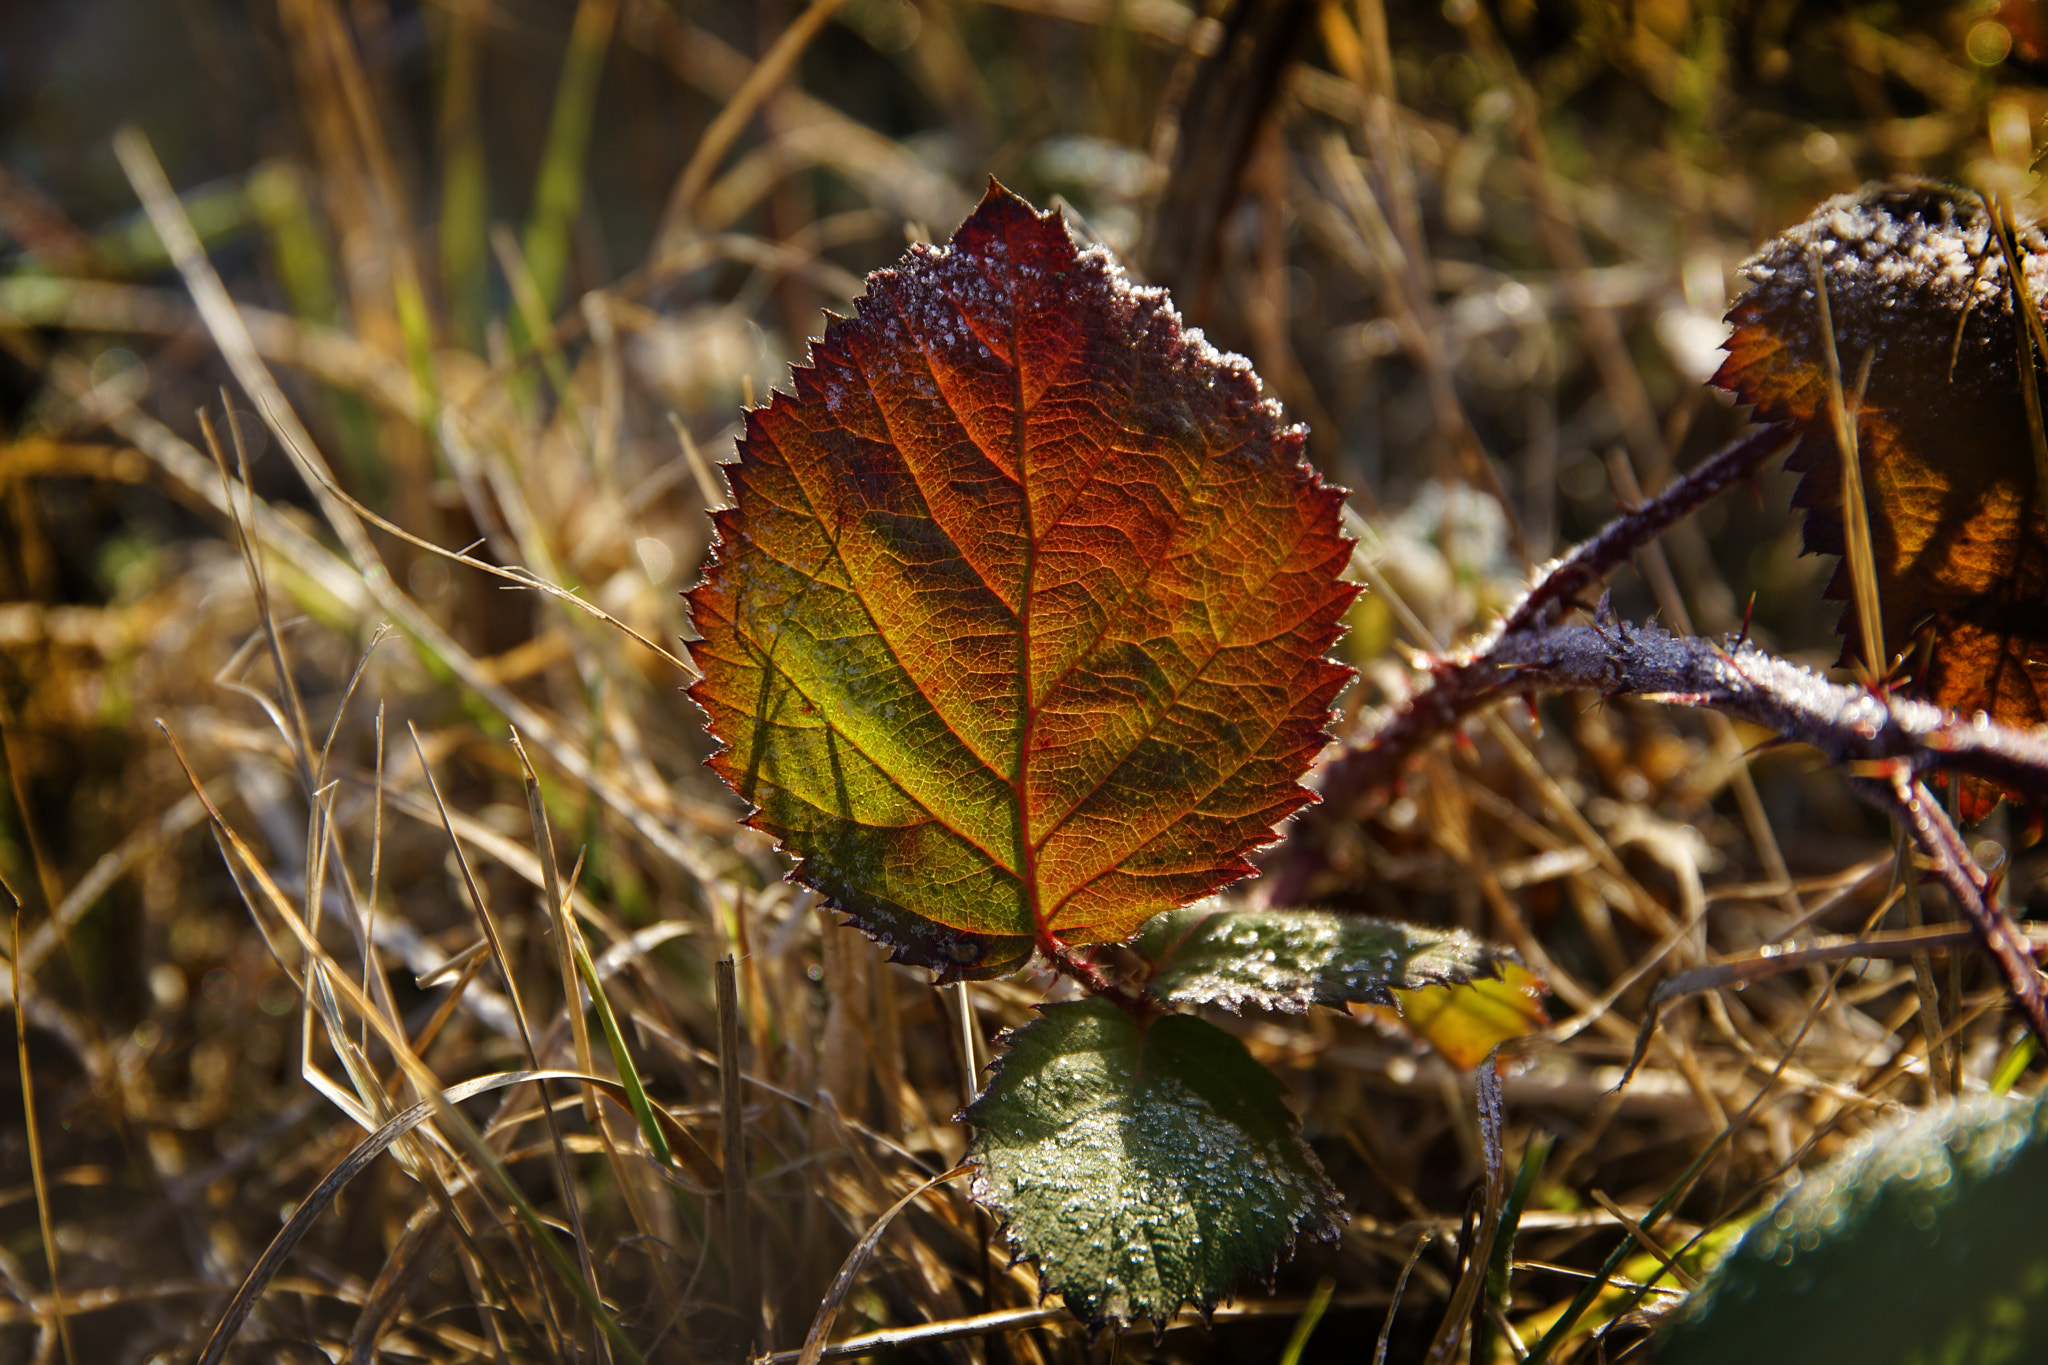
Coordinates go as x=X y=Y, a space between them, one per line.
x=1916 y=281
x=1014 y=634
x=1466 y=1020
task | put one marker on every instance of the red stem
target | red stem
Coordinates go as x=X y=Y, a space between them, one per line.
x=1357 y=782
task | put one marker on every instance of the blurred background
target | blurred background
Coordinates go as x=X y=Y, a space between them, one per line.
x=517 y=265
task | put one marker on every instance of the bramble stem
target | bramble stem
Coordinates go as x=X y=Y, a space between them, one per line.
x=1887 y=743
x=1849 y=724
x=1356 y=783
x=1063 y=959
x=1906 y=797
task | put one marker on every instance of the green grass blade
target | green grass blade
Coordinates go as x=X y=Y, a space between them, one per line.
x=1305 y=1325
x=615 y=1039
x=465 y=182
x=558 y=192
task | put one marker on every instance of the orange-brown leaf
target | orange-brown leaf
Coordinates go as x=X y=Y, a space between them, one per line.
x=1917 y=283
x=1015 y=631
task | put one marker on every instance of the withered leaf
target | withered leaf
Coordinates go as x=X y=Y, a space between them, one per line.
x=1917 y=284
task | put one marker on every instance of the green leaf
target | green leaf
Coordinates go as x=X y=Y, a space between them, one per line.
x=1014 y=634
x=1291 y=959
x=1923 y=1242
x=1142 y=1167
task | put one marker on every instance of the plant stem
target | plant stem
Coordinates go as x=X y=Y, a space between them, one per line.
x=1459 y=684
x=1887 y=743
x=1906 y=797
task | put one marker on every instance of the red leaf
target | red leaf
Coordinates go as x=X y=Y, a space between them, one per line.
x=1015 y=632
x=1916 y=279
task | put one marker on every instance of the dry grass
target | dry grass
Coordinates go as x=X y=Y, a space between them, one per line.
x=521 y=335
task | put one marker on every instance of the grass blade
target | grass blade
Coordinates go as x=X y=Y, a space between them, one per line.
x=558 y=191
x=739 y=1242
x=35 y=1144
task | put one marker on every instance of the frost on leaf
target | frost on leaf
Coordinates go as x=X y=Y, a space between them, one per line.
x=1921 y=1242
x=1145 y=1167
x=1916 y=280
x=1290 y=959
x=1014 y=633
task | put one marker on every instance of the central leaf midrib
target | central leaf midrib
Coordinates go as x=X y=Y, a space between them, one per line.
x=853 y=359
x=1027 y=852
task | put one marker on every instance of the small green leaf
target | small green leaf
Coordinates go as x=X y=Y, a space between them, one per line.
x=1142 y=1167
x=1922 y=1242
x=1290 y=959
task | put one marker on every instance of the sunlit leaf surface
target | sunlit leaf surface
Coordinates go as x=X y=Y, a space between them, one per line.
x=1290 y=959
x=1921 y=1242
x=1466 y=1021
x=1015 y=633
x=1142 y=1168
x=1917 y=282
